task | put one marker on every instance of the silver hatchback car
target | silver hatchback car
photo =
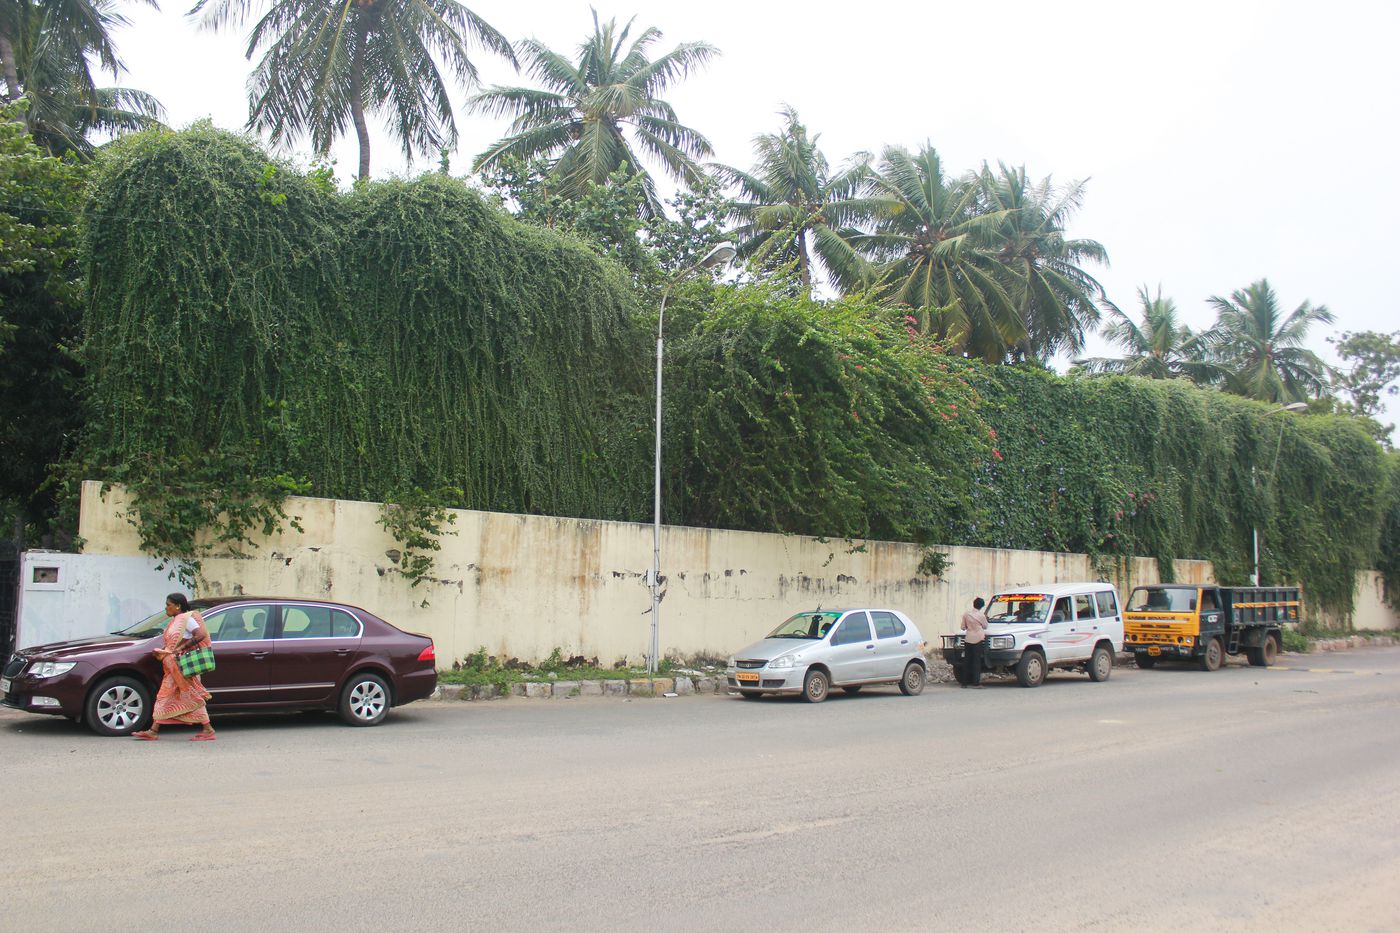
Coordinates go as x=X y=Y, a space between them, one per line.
x=848 y=648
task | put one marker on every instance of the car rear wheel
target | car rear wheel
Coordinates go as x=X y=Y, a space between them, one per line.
x=1145 y=660
x=1214 y=654
x=1030 y=670
x=118 y=706
x=1101 y=664
x=815 y=687
x=365 y=700
x=912 y=683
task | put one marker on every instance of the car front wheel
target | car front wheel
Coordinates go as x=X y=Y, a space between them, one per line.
x=815 y=687
x=1213 y=656
x=365 y=700
x=1030 y=670
x=912 y=683
x=118 y=706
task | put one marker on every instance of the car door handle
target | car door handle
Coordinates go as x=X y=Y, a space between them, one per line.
x=869 y=647
x=904 y=641
x=258 y=654
x=342 y=652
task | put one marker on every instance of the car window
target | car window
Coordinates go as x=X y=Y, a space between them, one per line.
x=856 y=628
x=1063 y=612
x=887 y=625
x=1108 y=604
x=306 y=621
x=344 y=625
x=1083 y=606
x=243 y=623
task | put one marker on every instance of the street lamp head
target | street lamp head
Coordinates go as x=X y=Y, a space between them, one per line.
x=1291 y=406
x=718 y=255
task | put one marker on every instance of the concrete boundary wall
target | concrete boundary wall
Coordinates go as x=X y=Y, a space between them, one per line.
x=523 y=585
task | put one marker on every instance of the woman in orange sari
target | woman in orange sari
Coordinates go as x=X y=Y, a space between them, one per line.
x=181 y=699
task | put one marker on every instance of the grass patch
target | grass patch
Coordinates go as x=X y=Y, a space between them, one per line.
x=482 y=668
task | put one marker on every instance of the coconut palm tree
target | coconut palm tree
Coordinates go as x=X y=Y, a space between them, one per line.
x=1057 y=300
x=931 y=239
x=600 y=113
x=1160 y=347
x=64 y=107
x=791 y=205
x=329 y=62
x=1263 y=349
x=45 y=52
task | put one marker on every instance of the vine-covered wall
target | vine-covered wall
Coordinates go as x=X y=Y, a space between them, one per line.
x=246 y=321
x=250 y=331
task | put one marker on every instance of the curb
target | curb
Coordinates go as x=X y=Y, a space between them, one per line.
x=568 y=689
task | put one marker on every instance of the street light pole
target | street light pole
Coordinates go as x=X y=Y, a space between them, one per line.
x=721 y=253
x=1292 y=406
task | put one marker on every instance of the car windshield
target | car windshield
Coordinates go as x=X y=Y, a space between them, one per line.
x=1162 y=599
x=807 y=625
x=1018 y=607
x=146 y=628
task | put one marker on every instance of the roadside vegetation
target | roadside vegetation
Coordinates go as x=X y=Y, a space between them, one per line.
x=878 y=367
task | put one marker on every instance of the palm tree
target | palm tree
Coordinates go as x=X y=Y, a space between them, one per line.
x=791 y=205
x=931 y=238
x=1057 y=300
x=332 y=61
x=1263 y=350
x=1159 y=348
x=64 y=106
x=596 y=114
x=45 y=47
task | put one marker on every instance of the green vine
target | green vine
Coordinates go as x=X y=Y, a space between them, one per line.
x=418 y=520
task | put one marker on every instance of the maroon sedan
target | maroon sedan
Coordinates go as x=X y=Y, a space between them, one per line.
x=270 y=654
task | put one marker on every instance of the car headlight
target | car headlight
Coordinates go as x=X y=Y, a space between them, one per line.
x=781 y=663
x=51 y=668
x=1002 y=642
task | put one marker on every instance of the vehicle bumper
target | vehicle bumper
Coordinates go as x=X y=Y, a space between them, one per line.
x=1162 y=651
x=31 y=696
x=783 y=681
x=416 y=685
x=1002 y=657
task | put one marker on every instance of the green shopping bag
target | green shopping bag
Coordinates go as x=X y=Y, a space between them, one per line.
x=198 y=661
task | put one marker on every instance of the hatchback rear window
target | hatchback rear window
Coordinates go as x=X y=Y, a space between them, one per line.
x=887 y=625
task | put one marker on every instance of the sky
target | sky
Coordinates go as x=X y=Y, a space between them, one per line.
x=1222 y=142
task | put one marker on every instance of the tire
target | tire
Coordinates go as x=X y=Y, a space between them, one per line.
x=852 y=690
x=1031 y=670
x=1266 y=654
x=912 y=683
x=1144 y=660
x=1214 y=656
x=958 y=674
x=750 y=694
x=118 y=706
x=816 y=686
x=1100 y=664
x=365 y=700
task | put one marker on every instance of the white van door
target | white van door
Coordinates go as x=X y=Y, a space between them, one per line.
x=1073 y=625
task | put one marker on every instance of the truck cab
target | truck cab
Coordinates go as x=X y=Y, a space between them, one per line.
x=1204 y=623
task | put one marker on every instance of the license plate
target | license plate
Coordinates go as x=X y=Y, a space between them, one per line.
x=747 y=677
x=1154 y=651
x=4 y=686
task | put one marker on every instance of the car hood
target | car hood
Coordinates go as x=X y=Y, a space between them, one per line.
x=81 y=647
x=770 y=648
x=1021 y=629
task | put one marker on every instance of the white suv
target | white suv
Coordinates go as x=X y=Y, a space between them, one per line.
x=1060 y=625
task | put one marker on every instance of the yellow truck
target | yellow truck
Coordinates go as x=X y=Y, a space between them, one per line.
x=1202 y=623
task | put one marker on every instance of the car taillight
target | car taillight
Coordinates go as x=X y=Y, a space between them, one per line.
x=427 y=654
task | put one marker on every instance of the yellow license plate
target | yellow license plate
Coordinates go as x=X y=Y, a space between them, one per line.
x=1154 y=651
x=747 y=677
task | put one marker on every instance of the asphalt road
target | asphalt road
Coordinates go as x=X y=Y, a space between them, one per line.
x=1160 y=800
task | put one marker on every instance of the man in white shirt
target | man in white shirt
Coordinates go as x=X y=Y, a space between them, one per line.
x=974 y=623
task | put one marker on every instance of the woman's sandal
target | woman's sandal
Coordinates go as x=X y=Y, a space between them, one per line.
x=145 y=734
x=203 y=737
